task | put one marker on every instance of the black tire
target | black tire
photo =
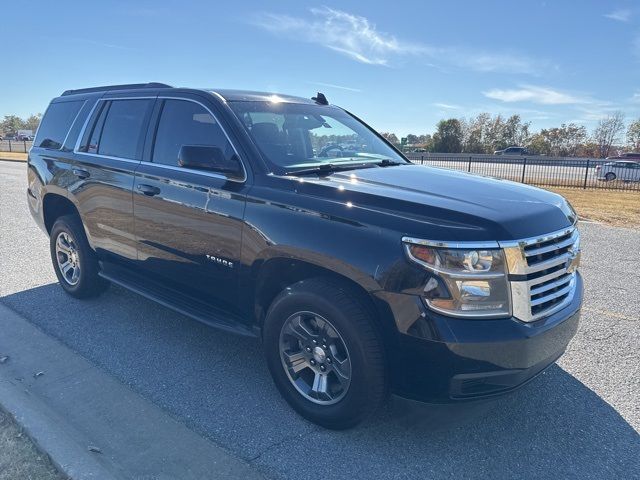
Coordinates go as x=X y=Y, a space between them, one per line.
x=352 y=320
x=610 y=176
x=88 y=283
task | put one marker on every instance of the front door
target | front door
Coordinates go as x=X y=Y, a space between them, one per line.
x=188 y=223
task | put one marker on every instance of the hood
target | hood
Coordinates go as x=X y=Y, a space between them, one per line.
x=441 y=204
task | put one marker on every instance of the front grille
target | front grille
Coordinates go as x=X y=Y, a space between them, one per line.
x=545 y=268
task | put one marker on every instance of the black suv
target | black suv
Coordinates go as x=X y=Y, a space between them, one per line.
x=512 y=151
x=292 y=221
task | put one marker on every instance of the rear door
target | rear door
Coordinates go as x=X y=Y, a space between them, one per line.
x=106 y=156
x=189 y=222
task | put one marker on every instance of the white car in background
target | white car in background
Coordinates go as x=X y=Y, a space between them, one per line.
x=626 y=170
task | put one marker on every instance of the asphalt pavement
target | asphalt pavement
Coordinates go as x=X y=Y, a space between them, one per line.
x=580 y=419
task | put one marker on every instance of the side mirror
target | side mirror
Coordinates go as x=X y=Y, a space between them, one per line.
x=205 y=157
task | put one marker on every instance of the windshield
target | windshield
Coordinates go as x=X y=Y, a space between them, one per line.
x=294 y=136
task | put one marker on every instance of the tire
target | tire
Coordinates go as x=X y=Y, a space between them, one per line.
x=68 y=243
x=332 y=312
x=610 y=176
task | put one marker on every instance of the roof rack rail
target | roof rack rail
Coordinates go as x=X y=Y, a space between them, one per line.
x=106 y=88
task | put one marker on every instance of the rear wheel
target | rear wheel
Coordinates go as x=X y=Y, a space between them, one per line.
x=324 y=353
x=74 y=261
x=610 y=176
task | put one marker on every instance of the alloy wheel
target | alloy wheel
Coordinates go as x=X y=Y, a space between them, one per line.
x=315 y=358
x=68 y=258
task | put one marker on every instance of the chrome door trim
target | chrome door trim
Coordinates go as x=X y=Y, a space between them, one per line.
x=76 y=149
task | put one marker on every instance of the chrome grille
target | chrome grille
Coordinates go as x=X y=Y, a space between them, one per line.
x=543 y=273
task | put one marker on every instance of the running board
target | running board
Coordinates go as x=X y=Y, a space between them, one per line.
x=175 y=300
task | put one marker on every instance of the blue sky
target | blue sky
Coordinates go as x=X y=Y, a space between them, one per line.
x=399 y=65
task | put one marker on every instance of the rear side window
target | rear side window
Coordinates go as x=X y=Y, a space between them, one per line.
x=122 y=134
x=56 y=124
x=186 y=123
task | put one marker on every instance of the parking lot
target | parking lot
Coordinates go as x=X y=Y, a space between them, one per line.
x=580 y=419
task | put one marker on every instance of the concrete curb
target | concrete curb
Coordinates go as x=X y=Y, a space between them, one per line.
x=13 y=160
x=91 y=425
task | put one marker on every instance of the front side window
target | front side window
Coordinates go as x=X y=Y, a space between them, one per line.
x=122 y=134
x=186 y=123
x=292 y=136
x=56 y=124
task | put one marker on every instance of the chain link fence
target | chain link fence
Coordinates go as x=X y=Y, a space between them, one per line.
x=586 y=173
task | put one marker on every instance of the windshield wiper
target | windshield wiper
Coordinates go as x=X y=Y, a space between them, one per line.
x=326 y=168
x=389 y=163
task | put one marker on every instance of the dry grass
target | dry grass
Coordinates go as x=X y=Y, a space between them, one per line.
x=13 y=156
x=19 y=458
x=613 y=207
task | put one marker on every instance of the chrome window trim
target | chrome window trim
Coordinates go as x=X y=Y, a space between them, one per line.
x=191 y=170
x=97 y=155
x=75 y=119
x=160 y=165
x=86 y=124
x=66 y=137
x=76 y=148
x=209 y=174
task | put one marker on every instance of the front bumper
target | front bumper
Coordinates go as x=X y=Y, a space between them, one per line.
x=442 y=359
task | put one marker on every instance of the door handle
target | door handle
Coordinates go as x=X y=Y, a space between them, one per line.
x=78 y=172
x=148 y=190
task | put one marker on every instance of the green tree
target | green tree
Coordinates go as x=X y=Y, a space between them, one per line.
x=633 y=135
x=32 y=122
x=391 y=137
x=448 y=137
x=11 y=124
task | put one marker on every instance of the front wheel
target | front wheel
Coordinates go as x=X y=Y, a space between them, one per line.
x=324 y=353
x=610 y=176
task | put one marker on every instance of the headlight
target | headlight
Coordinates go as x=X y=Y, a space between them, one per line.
x=464 y=282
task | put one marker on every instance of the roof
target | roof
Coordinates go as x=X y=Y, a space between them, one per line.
x=251 y=96
x=108 y=88
x=226 y=94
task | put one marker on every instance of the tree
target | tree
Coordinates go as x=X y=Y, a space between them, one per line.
x=32 y=122
x=515 y=132
x=448 y=137
x=559 y=142
x=633 y=135
x=391 y=137
x=473 y=133
x=412 y=139
x=11 y=124
x=607 y=133
x=539 y=144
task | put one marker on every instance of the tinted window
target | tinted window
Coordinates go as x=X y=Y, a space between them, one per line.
x=56 y=124
x=186 y=123
x=293 y=136
x=122 y=133
x=92 y=135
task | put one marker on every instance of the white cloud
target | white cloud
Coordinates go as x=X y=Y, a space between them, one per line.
x=359 y=39
x=635 y=98
x=620 y=15
x=342 y=32
x=535 y=94
x=447 y=106
x=333 y=85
